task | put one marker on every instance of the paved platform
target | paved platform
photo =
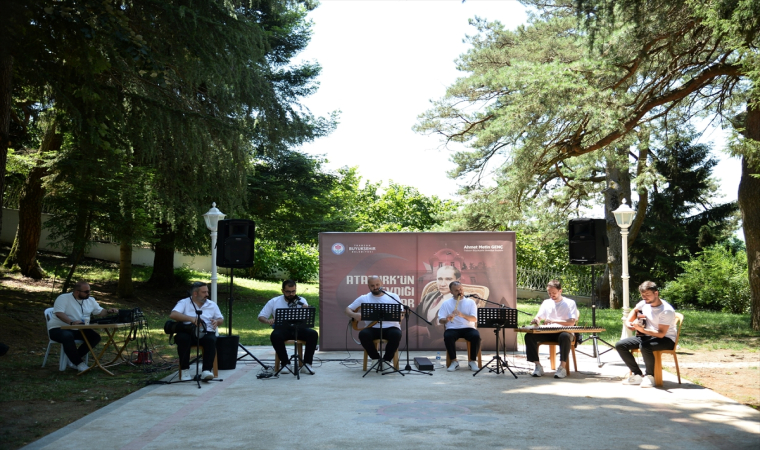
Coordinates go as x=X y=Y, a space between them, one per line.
x=337 y=408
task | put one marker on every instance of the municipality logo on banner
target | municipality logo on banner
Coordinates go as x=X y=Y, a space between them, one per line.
x=338 y=248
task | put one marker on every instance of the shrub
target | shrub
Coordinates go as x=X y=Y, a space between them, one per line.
x=715 y=280
x=300 y=262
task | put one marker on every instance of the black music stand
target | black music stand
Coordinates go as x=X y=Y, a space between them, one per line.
x=295 y=318
x=498 y=319
x=380 y=312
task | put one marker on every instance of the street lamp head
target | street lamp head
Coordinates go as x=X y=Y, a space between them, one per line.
x=624 y=215
x=212 y=217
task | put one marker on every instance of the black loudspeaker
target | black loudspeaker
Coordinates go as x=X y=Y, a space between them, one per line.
x=588 y=241
x=235 y=243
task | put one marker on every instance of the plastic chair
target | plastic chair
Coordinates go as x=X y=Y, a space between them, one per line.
x=376 y=342
x=480 y=360
x=553 y=351
x=299 y=345
x=658 y=354
x=63 y=360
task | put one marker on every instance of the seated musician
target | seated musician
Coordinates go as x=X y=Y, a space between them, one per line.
x=460 y=317
x=207 y=322
x=72 y=309
x=556 y=311
x=658 y=333
x=280 y=334
x=391 y=330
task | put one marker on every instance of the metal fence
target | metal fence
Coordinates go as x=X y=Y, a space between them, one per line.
x=576 y=281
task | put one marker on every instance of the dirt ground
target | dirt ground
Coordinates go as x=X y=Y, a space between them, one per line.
x=735 y=374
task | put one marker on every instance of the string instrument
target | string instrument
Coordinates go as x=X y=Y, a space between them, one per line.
x=548 y=330
x=358 y=325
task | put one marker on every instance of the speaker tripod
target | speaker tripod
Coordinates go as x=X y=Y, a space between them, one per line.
x=229 y=323
x=594 y=337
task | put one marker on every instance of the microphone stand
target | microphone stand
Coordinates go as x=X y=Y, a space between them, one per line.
x=503 y=332
x=407 y=310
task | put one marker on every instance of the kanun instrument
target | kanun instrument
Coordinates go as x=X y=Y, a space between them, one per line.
x=548 y=330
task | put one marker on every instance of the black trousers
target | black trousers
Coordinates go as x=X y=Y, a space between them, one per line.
x=471 y=335
x=280 y=335
x=532 y=340
x=647 y=345
x=392 y=334
x=185 y=340
x=67 y=338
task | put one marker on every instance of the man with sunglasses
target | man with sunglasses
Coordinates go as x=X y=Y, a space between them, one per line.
x=289 y=299
x=75 y=308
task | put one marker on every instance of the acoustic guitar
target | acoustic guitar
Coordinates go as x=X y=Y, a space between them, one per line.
x=358 y=325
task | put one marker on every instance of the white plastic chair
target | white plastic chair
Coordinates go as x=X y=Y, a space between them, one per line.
x=63 y=360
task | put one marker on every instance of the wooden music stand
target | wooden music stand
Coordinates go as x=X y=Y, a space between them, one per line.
x=296 y=318
x=380 y=312
x=498 y=319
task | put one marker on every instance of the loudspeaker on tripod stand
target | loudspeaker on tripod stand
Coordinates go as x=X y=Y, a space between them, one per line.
x=235 y=243
x=588 y=241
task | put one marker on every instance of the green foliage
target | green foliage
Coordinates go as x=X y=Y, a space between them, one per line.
x=301 y=262
x=266 y=259
x=716 y=280
x=680 y=219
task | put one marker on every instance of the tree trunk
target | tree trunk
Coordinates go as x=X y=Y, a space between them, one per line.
x=81 y=237
x=126 y=288
x=10 y=261
x=749 y=203
x=6 y=74
x=163 y=261
x=30 y=211
x=618 y=188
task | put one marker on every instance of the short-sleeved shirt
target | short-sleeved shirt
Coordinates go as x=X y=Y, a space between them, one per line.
x=280 y=302
x=466 y=306
x=369 y=298
x=664 y=314
x=74 y=308
x=563 y=310
x=209 y=311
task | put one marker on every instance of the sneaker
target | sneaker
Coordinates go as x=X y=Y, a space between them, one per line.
x=453 y=366
x=308 y=367
x=538 y=371
x=560 y=373
x=474 y=366
x=185 y=375
x=633 y=380
x=82 y=366
x=71 y=365
x=286 y=368
x=207 y=375
x=647 y=381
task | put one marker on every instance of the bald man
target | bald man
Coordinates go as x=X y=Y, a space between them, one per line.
x=391 y=330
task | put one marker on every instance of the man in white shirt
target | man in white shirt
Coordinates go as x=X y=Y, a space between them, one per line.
x=658 y=333
x=459 y=315
x=206 y=324
x=289 y=299
x=391 y=330
x=72 y=309
x=555 y=311
x=431 y=336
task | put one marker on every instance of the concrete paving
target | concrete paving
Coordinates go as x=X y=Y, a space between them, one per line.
x=337 y=408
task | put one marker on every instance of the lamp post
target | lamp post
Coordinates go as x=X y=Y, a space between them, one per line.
x=624 y=217
x=212 y=218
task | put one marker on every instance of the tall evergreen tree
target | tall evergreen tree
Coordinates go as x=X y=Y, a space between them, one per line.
x=681 y=219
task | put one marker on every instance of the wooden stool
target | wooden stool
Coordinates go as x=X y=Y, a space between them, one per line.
x=216 y=368
x=553 y=351
x=480 y=360
x=299 y=346
x=376 y=342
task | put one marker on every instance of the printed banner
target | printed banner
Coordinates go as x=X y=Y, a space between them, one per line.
x=418 y=267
